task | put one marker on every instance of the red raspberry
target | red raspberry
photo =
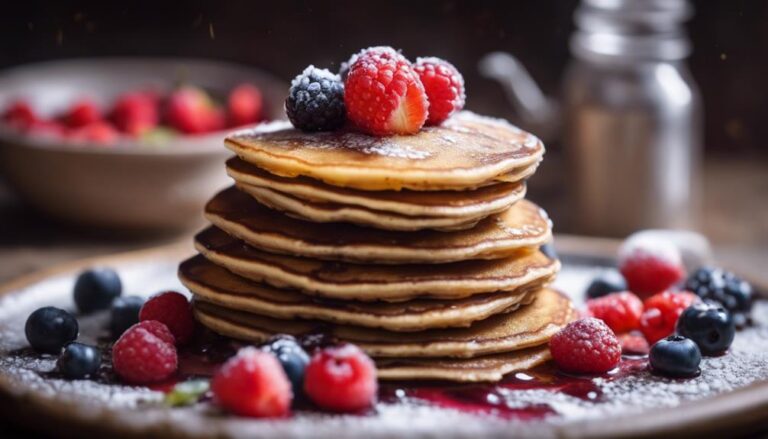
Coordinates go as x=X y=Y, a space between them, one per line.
x=81 y=113
x=341 y=379
x=661 y=313
x=98 y=132
x=620 y=311
x=383 y=94
x=157 y=329
x=135 y=113
x=444 y=86
x=650 y=265
x=634 y=344
x=145 y=354
x=586 y=346
x=173 y=310
x=253 y=383
x=244 y=105
x=191 y=111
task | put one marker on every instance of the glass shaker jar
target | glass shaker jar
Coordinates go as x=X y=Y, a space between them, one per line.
x=632 y=118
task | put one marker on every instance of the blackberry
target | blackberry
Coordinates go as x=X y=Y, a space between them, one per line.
x=315 y=101
x=607 y=282
x=721 y=286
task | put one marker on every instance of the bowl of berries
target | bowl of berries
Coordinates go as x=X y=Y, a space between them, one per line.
x=126 y=143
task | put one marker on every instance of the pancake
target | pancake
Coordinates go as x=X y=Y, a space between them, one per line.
x=367 y=282
x=481 y=201
x=481 y=369
x=530 y=325
x=216 y=285
x=466 y=151
x=333 y=212
x=522 y=225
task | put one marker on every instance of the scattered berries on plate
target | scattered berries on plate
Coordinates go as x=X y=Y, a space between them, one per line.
x=145 y=354
x=607 y=282
x=721 y=286
x=292 y=357
x=676 y=357
x=124 y=313
x=174 y=311
x=20 y=115
x=78 y=361
x=709 y=325
x=341 y=379
x=620 y=311
x=586 y=346
x=95 y=289
x=244 y=105
x=444 y=86
x=254 y=384
x=135 y=113
x=384 y=95
x=315 y=101
x=81 y=113
x=48 y=329
x=661 y=313
x=650 y=265
x=190 y=110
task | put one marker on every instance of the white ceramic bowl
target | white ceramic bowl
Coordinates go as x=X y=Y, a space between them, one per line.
x=128 y=185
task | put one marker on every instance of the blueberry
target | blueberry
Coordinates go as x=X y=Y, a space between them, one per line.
x=292 y=357
x=49 y=329
x=607 y=282
x=549 y=250
x=124 y=313
x=95 y=289
x=722 y=286
x=78 y=361
x=709 y=325
x=675 y=356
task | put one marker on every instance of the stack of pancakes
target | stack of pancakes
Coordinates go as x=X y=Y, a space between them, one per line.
x=419 y=249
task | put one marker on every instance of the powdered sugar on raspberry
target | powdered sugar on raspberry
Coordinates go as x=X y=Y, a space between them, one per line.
x=646 y=247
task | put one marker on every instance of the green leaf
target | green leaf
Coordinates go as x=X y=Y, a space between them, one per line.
x=186 y=393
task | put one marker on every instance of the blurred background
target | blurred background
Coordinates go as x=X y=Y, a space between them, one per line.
x=652 y=111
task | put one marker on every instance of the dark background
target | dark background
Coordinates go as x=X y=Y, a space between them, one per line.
x=729 y=62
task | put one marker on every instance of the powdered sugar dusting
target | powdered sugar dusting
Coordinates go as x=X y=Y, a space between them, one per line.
x=136 y=408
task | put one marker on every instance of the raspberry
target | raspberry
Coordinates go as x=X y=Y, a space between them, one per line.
x=135 y=113
x=173 y=310
x=384 y=95
x=661 y=313
x=81 y=113
x=97 y=132
x=341 y=379
x=633 y=344
x=253 y=383
x=650 y=265
x=244 y=105
x=145 y=354
x=586 y=346
x=444 y=86
x=20 y=115
x=315 y=101
x=620 y=311
x=344 y=68
x=191 y=111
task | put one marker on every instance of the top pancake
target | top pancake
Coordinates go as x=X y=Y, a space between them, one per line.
x=465 y=152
